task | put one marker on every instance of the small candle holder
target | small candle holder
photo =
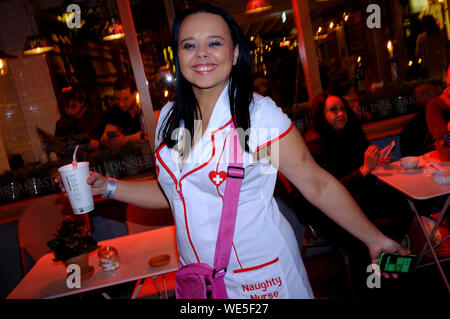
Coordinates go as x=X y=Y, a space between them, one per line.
x=108 y=258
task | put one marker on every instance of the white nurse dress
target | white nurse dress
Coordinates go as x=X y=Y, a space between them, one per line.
x=265 y=260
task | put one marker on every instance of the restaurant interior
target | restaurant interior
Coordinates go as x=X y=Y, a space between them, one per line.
x=367 y=50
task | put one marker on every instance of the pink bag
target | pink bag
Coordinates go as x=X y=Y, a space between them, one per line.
x=199 y=280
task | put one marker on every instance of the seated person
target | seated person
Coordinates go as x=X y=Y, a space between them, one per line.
x=77 y=117
x=123 y=120
x=438 y=116
x=337 y=142
x=415 y=138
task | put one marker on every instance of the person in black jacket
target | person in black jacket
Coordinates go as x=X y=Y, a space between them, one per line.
x=338 y=144
x=123 y=121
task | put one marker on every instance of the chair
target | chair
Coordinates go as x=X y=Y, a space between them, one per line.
x=38 y=222
x=311 y=239
x=141 y=219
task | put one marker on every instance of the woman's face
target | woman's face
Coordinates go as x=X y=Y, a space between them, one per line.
x=74 y=109
x=206 y=53
x=335 y=113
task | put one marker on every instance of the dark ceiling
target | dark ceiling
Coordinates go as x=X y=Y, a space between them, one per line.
x=268 y=24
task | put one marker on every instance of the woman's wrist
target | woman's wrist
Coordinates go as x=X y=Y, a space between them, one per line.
x=364 y=171
x=110 y=188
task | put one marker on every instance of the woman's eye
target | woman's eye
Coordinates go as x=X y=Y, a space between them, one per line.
x=188 y=46
x=215 y=44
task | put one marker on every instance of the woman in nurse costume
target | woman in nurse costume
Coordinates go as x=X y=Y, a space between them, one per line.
x=213 y=89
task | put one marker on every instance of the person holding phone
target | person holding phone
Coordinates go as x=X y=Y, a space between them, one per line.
x=339 y=145
x=438 y=120
x=123 y=121
x=214 y=90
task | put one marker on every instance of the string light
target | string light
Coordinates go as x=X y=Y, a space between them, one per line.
x=2 y=67
x=283 y=17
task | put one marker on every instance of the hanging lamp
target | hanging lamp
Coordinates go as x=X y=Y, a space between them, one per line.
x=255 y=6
x=113 y=31
x=37 y=44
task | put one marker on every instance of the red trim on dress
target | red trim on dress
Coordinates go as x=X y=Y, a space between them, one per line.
x=218 y=162
x=256 y=267
x=276 y=138
x=212 y=155
x=186 y=223
x=180 y=192
x=165 y=166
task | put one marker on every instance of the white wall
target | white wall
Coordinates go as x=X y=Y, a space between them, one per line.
x=27 y=98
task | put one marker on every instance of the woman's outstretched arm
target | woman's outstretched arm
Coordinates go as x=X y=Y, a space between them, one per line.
x=327 y=193
x=146 y=194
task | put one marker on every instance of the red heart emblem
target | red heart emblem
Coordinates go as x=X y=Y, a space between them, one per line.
x=217 y=177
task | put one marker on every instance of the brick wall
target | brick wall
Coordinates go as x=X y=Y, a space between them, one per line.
x=27 y=98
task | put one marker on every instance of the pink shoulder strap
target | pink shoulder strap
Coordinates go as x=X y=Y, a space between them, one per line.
x=235 y=175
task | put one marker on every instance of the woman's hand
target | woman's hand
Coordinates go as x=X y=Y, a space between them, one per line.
x=383 y=161
x=385 y=245
x=97 y=182
x=371 y=157
x=57 y=180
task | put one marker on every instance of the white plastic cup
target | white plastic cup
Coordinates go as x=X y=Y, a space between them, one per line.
x=77 y=188
x=409 y=162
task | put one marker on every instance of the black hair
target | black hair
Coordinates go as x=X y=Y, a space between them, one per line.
x=345 y=147
x=124 y=82
x=429 y=24
x=74 y=93
x=321 y=125
x=240 y=89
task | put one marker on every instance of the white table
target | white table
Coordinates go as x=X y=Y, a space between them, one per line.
x=47 y=279
x=419 y=185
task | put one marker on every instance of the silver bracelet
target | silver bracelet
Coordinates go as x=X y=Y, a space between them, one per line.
x=110 y=188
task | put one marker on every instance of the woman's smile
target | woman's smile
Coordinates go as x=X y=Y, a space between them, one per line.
x=204 y=68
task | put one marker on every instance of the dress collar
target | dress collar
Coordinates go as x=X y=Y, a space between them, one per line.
x=221 y=113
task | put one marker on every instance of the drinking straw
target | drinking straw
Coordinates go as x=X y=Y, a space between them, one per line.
x=74 y=159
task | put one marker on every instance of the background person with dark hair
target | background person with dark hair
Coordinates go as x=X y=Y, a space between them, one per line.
x=431 y=49
x=77 y=117
x=123 y=119
x=438 y=120
x=339 y=145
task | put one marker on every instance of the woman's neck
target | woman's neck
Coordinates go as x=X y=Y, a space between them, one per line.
x=207 y=99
